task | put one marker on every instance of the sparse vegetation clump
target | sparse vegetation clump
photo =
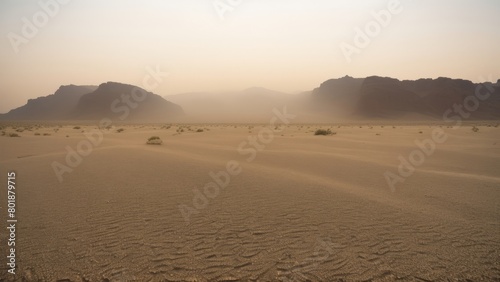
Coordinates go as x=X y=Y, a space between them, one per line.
x=76 y=127
x=14 y=135
x=324 y=132
x=199 y=130
x=37 y=134
x=475 y=129
x=46 y=134
x=154 y=140
x=120 y=130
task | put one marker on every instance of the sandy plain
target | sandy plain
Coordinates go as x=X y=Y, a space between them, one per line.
x=306 y=208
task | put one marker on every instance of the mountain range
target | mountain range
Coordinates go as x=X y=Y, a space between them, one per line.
x=112 y=100
x=372 y=97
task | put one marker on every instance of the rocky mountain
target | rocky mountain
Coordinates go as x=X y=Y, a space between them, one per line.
x=118 y=101
x=112 y=100
x=52 y=107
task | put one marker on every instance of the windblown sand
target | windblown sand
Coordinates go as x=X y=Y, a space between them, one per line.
x=307 y=207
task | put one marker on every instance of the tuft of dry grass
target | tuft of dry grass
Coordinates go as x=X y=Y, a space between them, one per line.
x=154 y=140
x=324 y=132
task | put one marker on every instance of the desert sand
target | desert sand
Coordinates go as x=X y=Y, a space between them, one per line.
x=306 y=208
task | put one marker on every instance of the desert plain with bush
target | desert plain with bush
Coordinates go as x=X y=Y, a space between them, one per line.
x=251 y=202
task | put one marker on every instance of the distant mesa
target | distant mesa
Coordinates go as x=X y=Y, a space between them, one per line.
x=112 y=100
x=385 y=97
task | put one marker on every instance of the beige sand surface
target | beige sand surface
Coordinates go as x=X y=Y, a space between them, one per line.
x=307 y=207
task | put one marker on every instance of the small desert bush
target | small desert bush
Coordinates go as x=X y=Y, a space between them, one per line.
x=76 y=127
x=154 y=140
x=120 y=130
x=199 y=130
x=475 y=129
x=46 y=134
x=37 y=134
x=323 y=132
x=14 y=135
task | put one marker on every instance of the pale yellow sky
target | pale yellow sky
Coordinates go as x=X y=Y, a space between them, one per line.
x=286 y=45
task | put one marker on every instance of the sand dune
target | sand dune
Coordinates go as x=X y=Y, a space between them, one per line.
x=307 y=208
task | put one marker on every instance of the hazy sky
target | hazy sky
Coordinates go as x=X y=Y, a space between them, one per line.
x=287 y=45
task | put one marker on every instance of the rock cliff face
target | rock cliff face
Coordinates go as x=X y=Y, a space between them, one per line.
x=337 y=95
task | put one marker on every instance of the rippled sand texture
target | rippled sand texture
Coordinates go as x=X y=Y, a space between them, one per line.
x=307 y=208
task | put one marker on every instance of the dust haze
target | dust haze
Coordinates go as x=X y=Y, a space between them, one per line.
x=285 y=140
